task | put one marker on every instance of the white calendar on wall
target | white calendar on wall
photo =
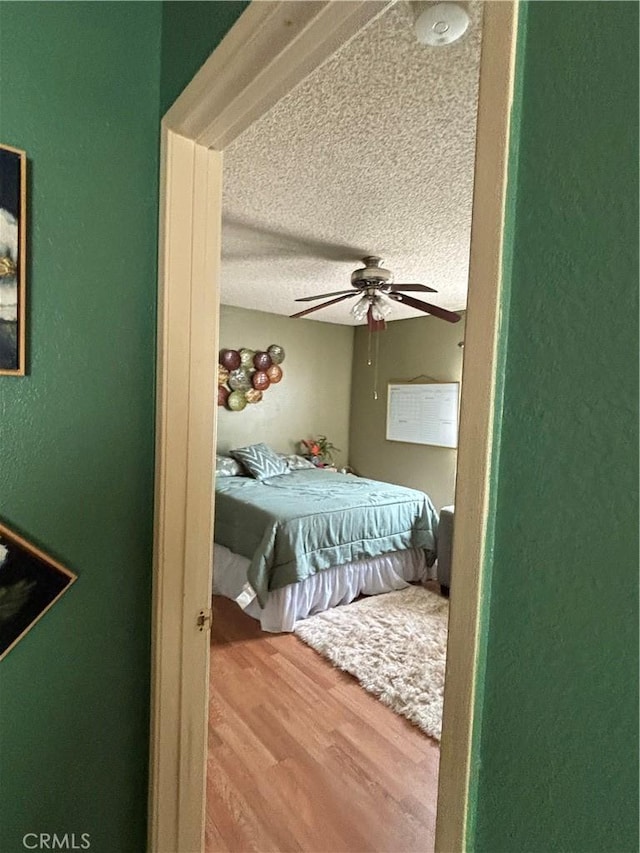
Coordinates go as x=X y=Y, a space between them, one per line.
x=423 y=414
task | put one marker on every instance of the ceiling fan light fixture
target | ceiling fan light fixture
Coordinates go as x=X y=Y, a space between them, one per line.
x=380 y=308
x=375 y=287
x=372 y=271
x=360 y=309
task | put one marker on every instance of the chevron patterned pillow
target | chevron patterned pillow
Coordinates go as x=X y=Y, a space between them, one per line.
x=260 y=461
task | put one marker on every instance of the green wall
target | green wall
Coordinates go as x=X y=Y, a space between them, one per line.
x=80 y=90
x=189 y=32
x=556 y=753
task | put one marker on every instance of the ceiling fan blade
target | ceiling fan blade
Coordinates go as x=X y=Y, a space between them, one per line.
x=323 y=305
x=422 y=287
x=412 y=302
x=324 y=295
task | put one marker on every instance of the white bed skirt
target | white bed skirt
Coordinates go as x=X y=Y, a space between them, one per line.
x=328 y=588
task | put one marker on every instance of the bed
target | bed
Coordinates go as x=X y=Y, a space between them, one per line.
x=290 y=545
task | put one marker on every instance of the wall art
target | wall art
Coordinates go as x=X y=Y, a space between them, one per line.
x=13 y=227
x=244 y=375
x=30 y=583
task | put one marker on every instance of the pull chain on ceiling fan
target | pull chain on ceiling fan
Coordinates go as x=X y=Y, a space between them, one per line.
x=377 y=291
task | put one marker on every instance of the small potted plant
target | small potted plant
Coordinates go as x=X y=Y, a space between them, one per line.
x=319 y=450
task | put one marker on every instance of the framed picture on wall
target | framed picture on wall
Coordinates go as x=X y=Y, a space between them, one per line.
x=13 y=228
x=30 y=583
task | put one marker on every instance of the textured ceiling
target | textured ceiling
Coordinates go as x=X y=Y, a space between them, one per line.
x=372 y=154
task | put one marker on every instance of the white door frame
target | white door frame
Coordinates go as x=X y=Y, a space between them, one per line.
x=271 y=48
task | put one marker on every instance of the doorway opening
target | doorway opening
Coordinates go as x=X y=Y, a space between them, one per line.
x=194 y=134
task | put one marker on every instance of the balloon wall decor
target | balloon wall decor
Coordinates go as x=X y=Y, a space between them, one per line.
x=245 y=375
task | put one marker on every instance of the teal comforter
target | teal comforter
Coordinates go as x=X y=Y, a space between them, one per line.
x=296 y=524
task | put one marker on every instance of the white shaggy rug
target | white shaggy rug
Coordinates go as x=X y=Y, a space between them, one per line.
x=395 y=644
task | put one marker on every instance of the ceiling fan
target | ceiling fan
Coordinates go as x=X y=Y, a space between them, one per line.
x=377 y=291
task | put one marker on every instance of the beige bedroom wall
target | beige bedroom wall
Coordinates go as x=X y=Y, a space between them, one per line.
x=408 y=348
x=314 y=395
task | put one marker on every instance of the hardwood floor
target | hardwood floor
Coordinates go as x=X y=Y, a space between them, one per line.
x=301 y=758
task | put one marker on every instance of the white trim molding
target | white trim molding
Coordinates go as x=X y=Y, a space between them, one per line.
x=477 y=414
x=272 y=47
x=191 y=199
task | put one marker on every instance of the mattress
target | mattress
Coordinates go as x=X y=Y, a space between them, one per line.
x=293 y=526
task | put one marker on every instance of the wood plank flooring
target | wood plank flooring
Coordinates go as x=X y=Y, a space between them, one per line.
x=301 y=758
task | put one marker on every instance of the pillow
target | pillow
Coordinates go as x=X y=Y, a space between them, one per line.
x=260 y=461
x=227 y=467
x=296 y=462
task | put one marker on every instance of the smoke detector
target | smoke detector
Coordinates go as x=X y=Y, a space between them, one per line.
x=441 y=24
